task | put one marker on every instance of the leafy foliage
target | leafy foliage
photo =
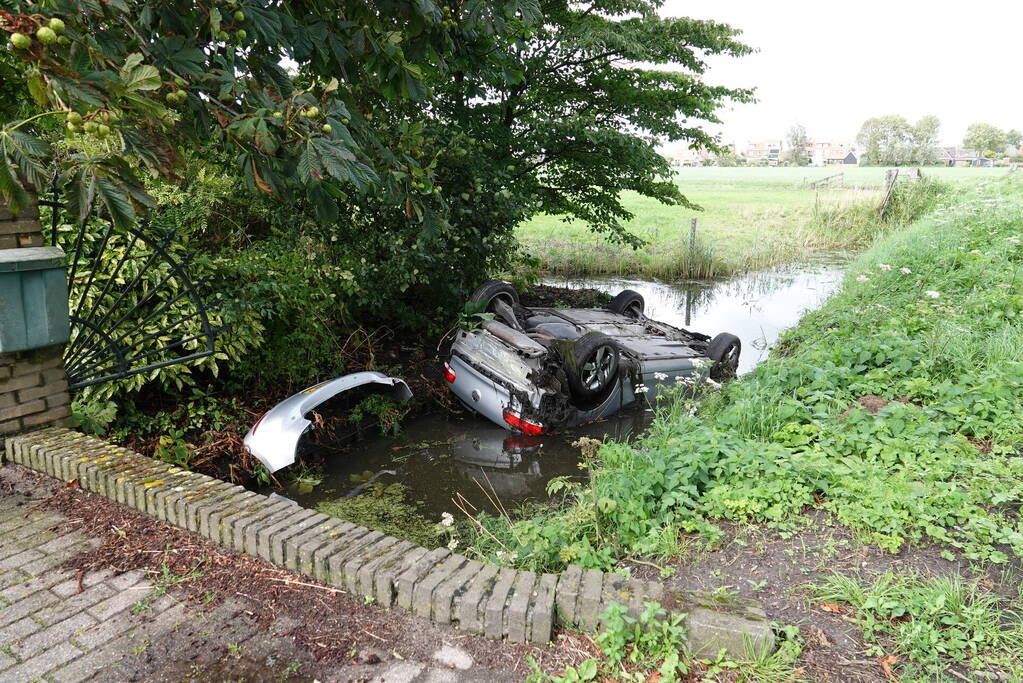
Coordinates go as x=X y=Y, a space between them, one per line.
x=633 y=648
x=797 y=143
x=154 y=76
x=892 y=141
x=929 y=320
x=986 y=139
x=576 y=115
x=93 y=417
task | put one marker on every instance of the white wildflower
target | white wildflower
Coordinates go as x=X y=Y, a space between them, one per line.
x=905 y=271
x=500 y=554
x=884 y=266
x=660 y=376
x=862 y=278
x=447 y=519
x=453 y=544
x=933 y=294
x=640 y=389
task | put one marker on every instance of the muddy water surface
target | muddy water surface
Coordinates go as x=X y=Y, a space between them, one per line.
x=440 y=457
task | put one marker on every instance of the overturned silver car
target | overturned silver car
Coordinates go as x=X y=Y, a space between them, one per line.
x=533 y=370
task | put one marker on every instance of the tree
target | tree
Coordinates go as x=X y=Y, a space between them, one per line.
x=147 y=79
x=798 y=142
x=885 y=141
x=986 y=139
x=1014 y=137
x=556 y=91
x=577 y=112
x=925 y=140
x=728 y=157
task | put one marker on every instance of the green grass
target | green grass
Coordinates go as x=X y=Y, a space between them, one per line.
x=932 y=622
x=941 y=463
x=752 y=218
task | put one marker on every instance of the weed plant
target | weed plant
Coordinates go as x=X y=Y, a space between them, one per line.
x=930 y=320
x=652 y=647
x=932 y=622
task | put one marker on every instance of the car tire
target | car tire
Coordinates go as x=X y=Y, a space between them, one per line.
x=724 y=350
x=593 y=370
x=493 y=290
x=627 y=302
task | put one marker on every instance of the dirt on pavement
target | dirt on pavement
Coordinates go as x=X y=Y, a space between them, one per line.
x=332 y=626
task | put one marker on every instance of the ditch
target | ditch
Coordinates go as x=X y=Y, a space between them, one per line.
x=439 y=462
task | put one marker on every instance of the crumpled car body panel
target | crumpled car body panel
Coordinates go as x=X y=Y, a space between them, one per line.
x=274 y=437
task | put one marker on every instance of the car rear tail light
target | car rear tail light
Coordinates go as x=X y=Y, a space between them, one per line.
x=521 y=424
x=449 y=374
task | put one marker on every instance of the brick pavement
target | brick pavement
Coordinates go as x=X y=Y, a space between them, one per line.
x=120 y=627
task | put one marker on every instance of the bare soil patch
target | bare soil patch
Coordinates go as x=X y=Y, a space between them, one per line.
x=777 y=568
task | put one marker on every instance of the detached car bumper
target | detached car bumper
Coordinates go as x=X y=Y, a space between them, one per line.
x=274 y=438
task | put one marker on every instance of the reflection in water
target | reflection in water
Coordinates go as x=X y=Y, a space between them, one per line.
x=438 y=457
x=755 y=307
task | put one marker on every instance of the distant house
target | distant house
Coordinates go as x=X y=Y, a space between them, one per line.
x=828 y=153
x=963 y=157
x=764 y=152
x=691 y=157
x=841 y=158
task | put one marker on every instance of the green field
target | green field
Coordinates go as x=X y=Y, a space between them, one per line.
x=752 y=218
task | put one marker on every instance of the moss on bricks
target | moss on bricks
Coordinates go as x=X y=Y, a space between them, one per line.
x=269 y=536
x=387 y=575
x=518 y=607
x=588 y=605
x=567 y=593
x=408 y=579
x=251 y=527
x=445 y=593
x=358 y=560
x=423 y=593
x=494 y=613
x=298 y=549
x=469 y=605
x=540 y=619
x=368 y=571
x=336 y=562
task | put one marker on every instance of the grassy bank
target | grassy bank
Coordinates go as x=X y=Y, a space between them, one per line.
x=893 y=412
x=752 y=218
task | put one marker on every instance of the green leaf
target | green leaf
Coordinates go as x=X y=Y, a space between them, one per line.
x=116 y=201
x=144 y=77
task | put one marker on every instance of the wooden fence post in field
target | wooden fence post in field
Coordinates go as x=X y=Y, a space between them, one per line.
x=891 y=176
x=692 y=240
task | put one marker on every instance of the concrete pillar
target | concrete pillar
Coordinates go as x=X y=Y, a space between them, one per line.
x=33 y=326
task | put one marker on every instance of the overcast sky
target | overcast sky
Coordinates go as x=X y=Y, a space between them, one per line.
x=831 y=65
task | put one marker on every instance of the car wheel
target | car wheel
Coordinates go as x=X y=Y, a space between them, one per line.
x=594 y=368
x=724 y=350
x=498 y=297
x=627 y=302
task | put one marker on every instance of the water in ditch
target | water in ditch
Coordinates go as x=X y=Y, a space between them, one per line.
x=440 y=458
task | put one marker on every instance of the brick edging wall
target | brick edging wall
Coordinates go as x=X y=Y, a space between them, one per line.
x=33 y=390
x=445 y=587
x=21 y=229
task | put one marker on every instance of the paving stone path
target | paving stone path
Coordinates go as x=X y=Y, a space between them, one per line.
x=110 y=627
